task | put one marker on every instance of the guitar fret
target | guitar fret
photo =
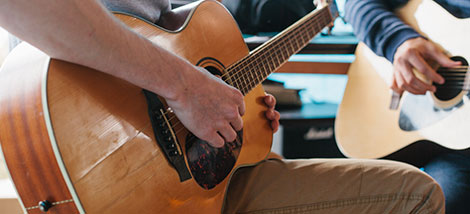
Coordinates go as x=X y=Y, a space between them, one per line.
x=296 y=43
x=280 y=54
x=240 y=78
x=235 y=83
x=285 y=54
x=232 y=79
x=260 y=75
x=271 y=61
x=254 y=68
x=264 y=64
x=301 y=38
x=248 y=75
x=291 y=47
x=263 y=69
x=239 y=81
x=245 y=78
x=257 y=73
x=276 y=57
x=253 y=76
x=244 y=83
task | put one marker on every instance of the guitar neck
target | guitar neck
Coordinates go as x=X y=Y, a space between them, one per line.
x=267 y=58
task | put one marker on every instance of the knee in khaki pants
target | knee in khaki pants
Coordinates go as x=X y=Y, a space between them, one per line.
x=333 y=186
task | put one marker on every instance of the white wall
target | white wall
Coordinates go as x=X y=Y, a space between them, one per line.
x=4 y=45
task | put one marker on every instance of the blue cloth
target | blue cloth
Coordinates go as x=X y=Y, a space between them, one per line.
x=452 y=172
x=375 y=24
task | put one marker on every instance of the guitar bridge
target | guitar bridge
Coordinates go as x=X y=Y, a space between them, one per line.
x=165 y=135
x=169 y=135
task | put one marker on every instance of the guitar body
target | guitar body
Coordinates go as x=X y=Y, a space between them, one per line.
x=367 y=128
x=65 y=125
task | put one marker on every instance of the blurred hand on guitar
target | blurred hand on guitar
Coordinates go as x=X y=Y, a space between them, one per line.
x=415 y=54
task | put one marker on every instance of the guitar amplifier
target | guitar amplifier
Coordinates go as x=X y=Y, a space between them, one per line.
x=309 y=132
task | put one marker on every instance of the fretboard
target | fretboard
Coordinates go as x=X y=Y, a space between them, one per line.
x=267 y=58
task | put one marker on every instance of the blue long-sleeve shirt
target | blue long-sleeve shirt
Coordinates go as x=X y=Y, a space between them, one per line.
x=375 y=24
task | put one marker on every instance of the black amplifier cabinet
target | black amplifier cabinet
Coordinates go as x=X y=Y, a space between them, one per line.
x=309 y=132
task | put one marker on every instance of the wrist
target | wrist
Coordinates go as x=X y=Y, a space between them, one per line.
x=397 y=40
x=177 y=80
x=153 y=68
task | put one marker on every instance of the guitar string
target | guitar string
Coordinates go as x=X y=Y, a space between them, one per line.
x=266 y=51
x=227 y=74
x=459 y=69
x=455 y=77
x=260 y=54
x=459 y=66
x=257 y=65
x=456 y=87
x=453 y=69
x=252 y=64
x=448 y=72
x=284 y=37
x=247 y=66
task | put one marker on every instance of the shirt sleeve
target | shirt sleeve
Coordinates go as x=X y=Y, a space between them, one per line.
x=376 y=25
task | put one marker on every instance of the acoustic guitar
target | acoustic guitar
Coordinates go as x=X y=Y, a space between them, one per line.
x=77 y=140
x=367 y=128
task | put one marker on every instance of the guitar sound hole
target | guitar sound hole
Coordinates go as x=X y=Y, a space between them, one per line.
x=453 y=82
x=418 y=112
x=209 y=165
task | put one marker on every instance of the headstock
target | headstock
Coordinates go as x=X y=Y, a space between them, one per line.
x=328 y=3
x=331 y=4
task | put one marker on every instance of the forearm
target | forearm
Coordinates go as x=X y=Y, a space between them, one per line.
x=83 y=32
x=375 y=24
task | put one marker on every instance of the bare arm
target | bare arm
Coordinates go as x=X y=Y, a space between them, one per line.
x=83 y=32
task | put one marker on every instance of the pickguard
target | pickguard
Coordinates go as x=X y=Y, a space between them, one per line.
x=418 y=112
x=209 y=165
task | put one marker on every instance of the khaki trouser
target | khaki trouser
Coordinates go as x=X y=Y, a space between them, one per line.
x=333 y=186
